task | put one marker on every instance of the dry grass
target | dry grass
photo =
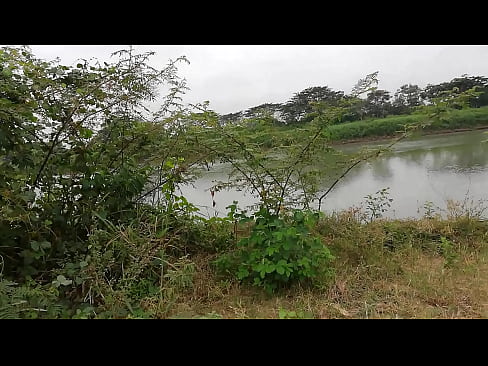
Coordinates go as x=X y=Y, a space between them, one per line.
x=409 y=278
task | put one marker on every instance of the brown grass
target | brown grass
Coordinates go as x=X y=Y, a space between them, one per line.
x=410 y=280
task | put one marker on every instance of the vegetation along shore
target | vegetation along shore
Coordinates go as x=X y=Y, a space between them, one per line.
x=92 y=224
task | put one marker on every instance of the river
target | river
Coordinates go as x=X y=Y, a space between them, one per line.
x=430 y=168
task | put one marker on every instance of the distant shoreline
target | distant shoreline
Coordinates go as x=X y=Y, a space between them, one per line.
x=387 y=137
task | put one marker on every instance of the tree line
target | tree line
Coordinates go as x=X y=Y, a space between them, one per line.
x=303 y=106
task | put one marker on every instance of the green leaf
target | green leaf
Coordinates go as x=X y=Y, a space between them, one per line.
x=270 y=250
x=242 y=273
x=278 y=235
x=35 y=245
x=7 y=72
x=169 y=164
x=86 y=133
x=270 y=268
x=63 y=280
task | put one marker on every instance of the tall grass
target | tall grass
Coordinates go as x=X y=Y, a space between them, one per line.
x=389 y=126
x=273 y=136
x=415 y=268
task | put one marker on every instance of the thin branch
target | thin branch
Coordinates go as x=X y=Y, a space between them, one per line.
x=376 y=154
x=289 y=168
x=68 y=118
x=233 y=163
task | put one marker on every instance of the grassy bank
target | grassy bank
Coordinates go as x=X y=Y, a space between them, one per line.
x=79 y=238
x=426 y=268
x=391 y=126
x=367 y=130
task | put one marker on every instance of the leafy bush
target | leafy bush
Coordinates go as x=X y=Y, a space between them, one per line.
x=378 y=204
x=279 y=251
x=28 y=301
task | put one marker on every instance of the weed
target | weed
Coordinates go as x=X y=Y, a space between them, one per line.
x=448 y=252
x=378 y=204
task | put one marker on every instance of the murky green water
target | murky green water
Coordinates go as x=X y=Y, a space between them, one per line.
x=434 y=168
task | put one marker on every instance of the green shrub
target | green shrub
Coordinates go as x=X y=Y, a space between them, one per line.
x=448 y=252
x=279 y=251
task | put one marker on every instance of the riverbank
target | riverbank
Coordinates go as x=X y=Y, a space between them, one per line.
x=380 y=139
x=423 y=268
x=390 y=127
x=427 y=268
x=269 y=137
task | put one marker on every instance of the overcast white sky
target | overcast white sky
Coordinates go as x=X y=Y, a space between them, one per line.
x=237 y=77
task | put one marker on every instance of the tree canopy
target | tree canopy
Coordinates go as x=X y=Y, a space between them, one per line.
x=300 y=108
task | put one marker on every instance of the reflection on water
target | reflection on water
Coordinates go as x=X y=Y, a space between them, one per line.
x=431 y=168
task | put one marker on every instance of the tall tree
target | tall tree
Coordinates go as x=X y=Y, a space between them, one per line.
x=269 y=111
x=231 y=117
x=407 y=97
x=297 y=108
x=378 y=103
x=460 y=85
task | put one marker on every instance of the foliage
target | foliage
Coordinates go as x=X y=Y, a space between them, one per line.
x=448 y=252
x=429 y=210
x=278 y=174
x=378 y=203
x=71 y=141
x=80 y=156
x=91 y=221
x=300 y=105
x=460 y=85
x=28 y=301
x=390 y=126
x=407 y=97
x=378 y=103
x=279 y=251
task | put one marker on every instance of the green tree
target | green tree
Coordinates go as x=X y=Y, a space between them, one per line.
x=265 y=109
x=460 y=85
x=231 y=117
x=378 y=103
x=407 y=97
x=74 y=150
x=300 y=105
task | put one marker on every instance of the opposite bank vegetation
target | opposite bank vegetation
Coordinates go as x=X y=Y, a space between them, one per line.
x=92 y=225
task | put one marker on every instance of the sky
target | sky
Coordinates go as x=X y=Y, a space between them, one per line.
x=236 y=77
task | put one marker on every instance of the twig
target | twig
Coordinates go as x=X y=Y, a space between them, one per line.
x=376 y=154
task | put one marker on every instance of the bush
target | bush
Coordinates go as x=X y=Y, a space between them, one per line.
x=279 y=251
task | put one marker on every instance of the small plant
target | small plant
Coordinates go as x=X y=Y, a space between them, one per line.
x=378 y=204
x=279 y=251
x=28 y=301
x=447 y=251
x=429 y=210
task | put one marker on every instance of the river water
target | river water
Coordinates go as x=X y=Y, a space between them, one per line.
x=432 y=168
